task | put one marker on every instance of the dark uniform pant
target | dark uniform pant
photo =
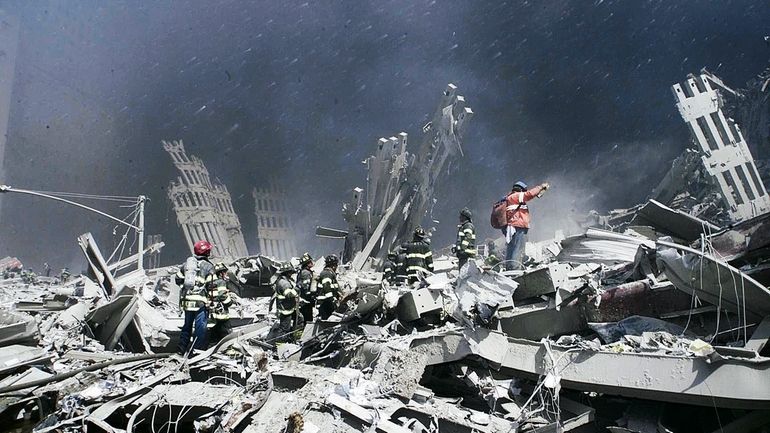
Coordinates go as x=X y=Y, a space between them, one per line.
x=307 y=311
x=463 y=261
x=326 y=308
x=220 y=330
x=194 y=324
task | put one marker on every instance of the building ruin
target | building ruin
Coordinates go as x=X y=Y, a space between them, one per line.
x=400 y=185
x=203 y=208
x=9 y=41
x=275 y=228
x=724 y=153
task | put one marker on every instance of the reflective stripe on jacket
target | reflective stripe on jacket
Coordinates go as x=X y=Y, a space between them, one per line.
x=419 y=258
x=197 y=297
x=285 y=296
x=327 y=287
x=220 y=299
x=465 y=246
x=516 y=210
x=305 y=284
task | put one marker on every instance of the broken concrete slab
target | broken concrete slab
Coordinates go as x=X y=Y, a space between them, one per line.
x=541 y=281
x=541 y=320
x=16 y=327
x=733 y=383
x=415 y=304
x=15 y=356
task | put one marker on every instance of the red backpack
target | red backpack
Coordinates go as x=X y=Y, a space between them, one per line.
x=499 y=217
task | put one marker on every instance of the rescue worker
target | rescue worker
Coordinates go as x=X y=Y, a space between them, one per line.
x=401 y=275
x=307 y=290
x=517 y=214
x=389 y=268
x=219 y=305
x=287 y=300
x=193 y=296
x=465 y=246
x=492 y=259
x=64 y=275
x=419 y=258
x=328 y=287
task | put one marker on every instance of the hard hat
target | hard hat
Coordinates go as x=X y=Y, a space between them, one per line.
x=331 y=260
x=202 y=248
x=305 y=259
x=285 y=268
x=419 y=233
x=466 y=213
x=220 y=267
x=520 y=184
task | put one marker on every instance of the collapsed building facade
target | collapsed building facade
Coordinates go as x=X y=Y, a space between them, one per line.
x=275 y=228
x=9 y=41
x=400 y=185
x=203 y=208
x=653 y=319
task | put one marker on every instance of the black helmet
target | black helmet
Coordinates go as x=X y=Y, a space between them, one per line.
x=220 y=267
x=305 y=259
x=466 y=213
x=419 y=233
x=331 y=260
x=285 y=268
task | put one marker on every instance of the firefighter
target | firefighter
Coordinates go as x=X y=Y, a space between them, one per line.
x=194 y=278
x=287 y=300
x=401 y=276
x=517 y=214
x=328 y=287
x=219 y=305
x=389 y=268
x=465 y=246
x=492 y=259
x=419 y=258
x=306 y=287
x=64 y=275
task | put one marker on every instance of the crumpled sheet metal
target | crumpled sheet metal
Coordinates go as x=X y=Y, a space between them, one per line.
x=712 y=280
x=601 y=246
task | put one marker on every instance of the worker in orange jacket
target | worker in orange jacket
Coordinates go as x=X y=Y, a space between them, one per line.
x=517 y=214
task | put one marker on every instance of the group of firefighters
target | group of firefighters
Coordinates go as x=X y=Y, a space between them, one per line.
x=205 y=299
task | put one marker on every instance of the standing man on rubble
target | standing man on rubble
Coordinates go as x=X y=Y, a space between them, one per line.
x=194 y=278
x=328 y=287
x=219 y=305
x=465 y=246
x=419 y=257
x=517 y=214
x=307 y=289
x=287 y=302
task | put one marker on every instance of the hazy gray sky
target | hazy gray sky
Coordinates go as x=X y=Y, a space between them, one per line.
x=576 y=92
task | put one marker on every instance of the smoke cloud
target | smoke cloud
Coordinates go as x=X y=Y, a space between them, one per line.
x=572 y=92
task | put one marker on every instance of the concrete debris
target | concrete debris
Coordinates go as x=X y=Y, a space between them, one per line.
x=665 y=302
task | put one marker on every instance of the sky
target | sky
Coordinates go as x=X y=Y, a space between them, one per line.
x=576 y=93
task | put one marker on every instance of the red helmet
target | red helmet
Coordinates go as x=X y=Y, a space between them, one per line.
x=202 y=248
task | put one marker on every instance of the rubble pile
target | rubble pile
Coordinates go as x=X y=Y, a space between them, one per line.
x=596 y=325
x=653 y=319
